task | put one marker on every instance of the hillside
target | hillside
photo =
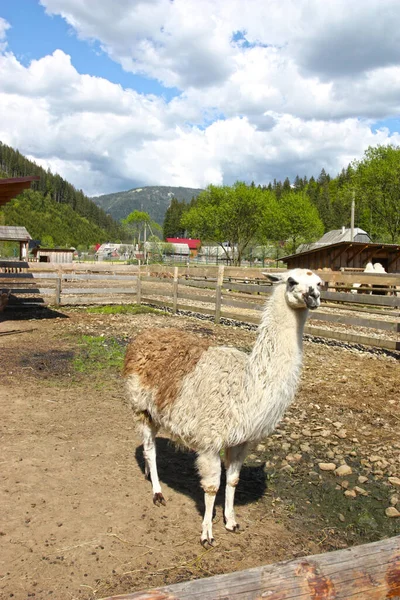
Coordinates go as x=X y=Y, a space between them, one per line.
x=54 y=209
x=152 y=199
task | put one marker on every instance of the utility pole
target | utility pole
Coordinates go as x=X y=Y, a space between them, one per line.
x=353 y=203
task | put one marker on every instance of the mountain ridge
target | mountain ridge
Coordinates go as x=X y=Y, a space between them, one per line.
x=153 y=199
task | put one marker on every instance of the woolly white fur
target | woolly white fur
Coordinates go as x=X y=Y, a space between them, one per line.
x=230 y=397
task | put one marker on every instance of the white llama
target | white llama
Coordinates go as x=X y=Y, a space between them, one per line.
x=219 y=398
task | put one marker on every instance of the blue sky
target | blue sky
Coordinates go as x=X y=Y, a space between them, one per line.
x=125 y=93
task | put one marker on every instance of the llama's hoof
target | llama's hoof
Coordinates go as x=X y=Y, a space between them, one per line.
x=233 y=528
x=159 y=499
x=208 y=542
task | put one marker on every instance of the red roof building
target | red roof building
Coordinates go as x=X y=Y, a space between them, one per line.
x=194 y=245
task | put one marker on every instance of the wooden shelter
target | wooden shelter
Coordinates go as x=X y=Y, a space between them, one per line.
x=11 y=187
x=346 y=255
x=10 y=233
x=54 y=255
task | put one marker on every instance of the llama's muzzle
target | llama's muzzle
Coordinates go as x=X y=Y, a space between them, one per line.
x=312 y=298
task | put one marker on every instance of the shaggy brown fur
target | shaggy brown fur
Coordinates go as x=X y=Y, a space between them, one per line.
x=162 y=358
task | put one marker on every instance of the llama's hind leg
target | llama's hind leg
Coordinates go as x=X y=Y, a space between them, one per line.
x=209 y=466
x=149 y=431
x=234 y=458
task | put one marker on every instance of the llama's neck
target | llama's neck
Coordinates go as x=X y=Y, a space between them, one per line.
x=273 y=369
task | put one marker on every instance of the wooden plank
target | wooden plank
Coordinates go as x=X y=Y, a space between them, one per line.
x=361 y=298
x=31 y=290
x=175 y=289
x=158 y=291
x=28 y=275
x=368 y=572
x=248 y=287
x=57 y=295
x=245 y=305
x=210 y=284
x=357 y=321
x=218 y=293
x=84 y=291
x=352 y=338
x=104 y=277
x=369 y=278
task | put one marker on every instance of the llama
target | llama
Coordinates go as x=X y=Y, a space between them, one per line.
x=218 y=398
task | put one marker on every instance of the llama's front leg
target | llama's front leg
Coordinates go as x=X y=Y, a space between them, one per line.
x=149 y=431
x=209 y=466
x=234 y=458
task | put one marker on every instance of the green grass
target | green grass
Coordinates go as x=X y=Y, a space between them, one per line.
x=98 y=353
x=123 y=309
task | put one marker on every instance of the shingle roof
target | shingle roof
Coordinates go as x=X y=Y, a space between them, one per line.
x=335 y=236
x=193 y=244
x=14 y=234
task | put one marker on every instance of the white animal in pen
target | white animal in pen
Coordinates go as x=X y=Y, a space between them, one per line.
x=219 y=398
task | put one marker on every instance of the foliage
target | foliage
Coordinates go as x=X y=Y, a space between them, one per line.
x=377 y=181
x=293 y=218
x=52 y=223
x=54 y=187
x=137 y=223
x=228 y=216
x=173 y=227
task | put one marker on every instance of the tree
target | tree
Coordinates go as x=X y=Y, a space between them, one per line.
x=137 y=223
x=172 y=226
x=292 y=219
x=377 y=182
x=229 y=216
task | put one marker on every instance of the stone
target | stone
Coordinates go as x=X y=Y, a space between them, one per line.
x=362 y=479
x=341 y=434
x=394 y=481
x=260 y=448
x=306 y=432
x=350 y=494
x=374 y=458
x=395 y=499
x=327 y=466
x=305 y=447
x=341 y=518
x=392 y=512
x=343 y=470
x=345 y=484
x=361 y=491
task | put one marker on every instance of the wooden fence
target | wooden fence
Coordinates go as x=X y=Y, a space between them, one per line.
x=368 y=572
x=222 y=292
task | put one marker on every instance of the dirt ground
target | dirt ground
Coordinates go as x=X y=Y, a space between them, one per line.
x=77 y=518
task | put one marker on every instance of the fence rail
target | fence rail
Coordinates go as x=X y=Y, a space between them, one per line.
x=367 y=572
x=221 y=292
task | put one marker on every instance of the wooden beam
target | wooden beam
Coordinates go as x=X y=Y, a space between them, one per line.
x=336 y=256
x=368 y=572
x=396 y=255
x=356 y=253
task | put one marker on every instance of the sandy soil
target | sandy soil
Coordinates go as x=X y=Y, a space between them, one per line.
x=77 y=519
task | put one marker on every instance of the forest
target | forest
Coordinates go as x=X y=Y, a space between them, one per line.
x=287 y=214
x=54 y=210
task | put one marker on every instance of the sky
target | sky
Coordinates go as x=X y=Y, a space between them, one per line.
x=116 y=94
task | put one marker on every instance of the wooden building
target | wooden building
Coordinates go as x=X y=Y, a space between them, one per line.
x=54 y=255
x=10 y=233
x=346 y=255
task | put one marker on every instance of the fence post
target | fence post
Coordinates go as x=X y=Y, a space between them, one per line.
x=57 y=299
x=138 y=286
x=218 y=293
x=175 y=290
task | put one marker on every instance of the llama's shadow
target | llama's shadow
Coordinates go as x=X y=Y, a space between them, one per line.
x=177 y=469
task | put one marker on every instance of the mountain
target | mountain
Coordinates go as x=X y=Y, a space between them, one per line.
x=152 y=199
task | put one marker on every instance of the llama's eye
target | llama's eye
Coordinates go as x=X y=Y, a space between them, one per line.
x=292 y=282
x=319 y=283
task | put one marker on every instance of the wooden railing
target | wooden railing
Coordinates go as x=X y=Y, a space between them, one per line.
x=368 y=572
x=221 y=292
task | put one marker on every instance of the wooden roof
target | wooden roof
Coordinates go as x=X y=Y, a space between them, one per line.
x=10 y=233
x=325 y=247
x=9 y=188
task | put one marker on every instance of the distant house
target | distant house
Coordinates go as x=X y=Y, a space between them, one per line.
x=336 y=236
x=116 y=251
x=53 y=255
x=193 y=245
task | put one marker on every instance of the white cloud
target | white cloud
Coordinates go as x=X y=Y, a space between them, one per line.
x=270 y=88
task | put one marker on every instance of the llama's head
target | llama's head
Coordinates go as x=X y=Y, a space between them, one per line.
x=302 y=287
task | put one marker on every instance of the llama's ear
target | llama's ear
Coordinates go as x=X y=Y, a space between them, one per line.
x=274 y=277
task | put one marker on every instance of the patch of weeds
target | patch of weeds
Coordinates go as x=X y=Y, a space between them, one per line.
x=124 y=309
x=97 y=353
